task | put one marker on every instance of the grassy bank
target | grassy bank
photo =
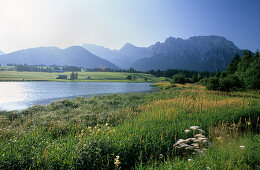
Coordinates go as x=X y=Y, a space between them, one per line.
x=139 y=128
x=94 y=76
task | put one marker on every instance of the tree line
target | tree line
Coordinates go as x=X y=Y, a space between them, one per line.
x=181 y=76
x=242 y=73
x=43 y=68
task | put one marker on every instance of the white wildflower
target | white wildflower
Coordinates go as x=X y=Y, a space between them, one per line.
x=242 y=147
x=194 y=127
x=186 y=131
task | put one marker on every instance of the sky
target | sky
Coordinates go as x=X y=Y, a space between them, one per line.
x=112 y=23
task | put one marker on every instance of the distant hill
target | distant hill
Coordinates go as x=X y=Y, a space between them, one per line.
x=74 y=56
x=123 y=58
x=2 y=53
x=201 y=53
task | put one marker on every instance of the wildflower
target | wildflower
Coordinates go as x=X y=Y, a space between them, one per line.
x=242 y=147
x=189 y=160
x=192 y=139
x=117 y=162
x=180 y=141
x=106 y=124
x=98 y=131
x=208 y=168
x=89 y=128
x=189 y=148
x=197 y=140
x=204 y=141
x=186 y=131
x=199 y=136
x=194 y=127
x=196 y=145
x=161 y=156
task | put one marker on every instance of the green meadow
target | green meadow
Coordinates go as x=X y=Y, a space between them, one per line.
x=135 y=131
x=82 y=76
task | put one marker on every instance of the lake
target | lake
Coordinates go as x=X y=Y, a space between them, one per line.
x=21 y=95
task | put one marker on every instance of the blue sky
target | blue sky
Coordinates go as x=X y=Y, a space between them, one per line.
x=112 y=23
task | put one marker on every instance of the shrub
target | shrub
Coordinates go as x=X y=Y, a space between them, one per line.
x=229 y=83
x=179 y=78
x=129 y=77
x=213 y=83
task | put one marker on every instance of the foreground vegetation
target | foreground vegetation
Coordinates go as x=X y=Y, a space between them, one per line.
x=134 y=131
x=82 y=76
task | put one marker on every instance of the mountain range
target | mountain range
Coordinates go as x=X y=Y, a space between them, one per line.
x=123 y=58
x=201 y=53
x=73 y=56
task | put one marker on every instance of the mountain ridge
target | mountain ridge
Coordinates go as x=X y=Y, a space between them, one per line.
x=201 y=53
x=74 y=55
x=124 y=57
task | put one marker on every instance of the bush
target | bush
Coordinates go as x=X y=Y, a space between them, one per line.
x=179 y=78
x=252 y=76
x=213 y=83
x=229 y=83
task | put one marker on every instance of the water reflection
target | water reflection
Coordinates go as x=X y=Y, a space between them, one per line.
x=13 y=92
x=21 y=95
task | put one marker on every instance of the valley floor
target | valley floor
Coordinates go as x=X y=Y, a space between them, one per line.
x=136 y=131
x=82 y=76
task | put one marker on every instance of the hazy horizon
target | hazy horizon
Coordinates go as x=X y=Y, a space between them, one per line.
x=112 y=23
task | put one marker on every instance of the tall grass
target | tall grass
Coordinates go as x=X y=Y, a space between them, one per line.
x=230 y=149
x=90 y=133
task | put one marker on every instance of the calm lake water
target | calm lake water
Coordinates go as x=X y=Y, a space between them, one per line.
x=21 y=95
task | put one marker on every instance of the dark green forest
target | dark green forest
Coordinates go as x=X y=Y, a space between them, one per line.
x=242 y=73
x=185 y=76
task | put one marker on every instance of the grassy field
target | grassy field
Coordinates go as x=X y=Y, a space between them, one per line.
x=94 y=76
x=135 y=131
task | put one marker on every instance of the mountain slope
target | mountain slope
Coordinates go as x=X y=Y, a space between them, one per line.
x=123 y=58
x=107 y=54
x=201 y=53
x=75 y=55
